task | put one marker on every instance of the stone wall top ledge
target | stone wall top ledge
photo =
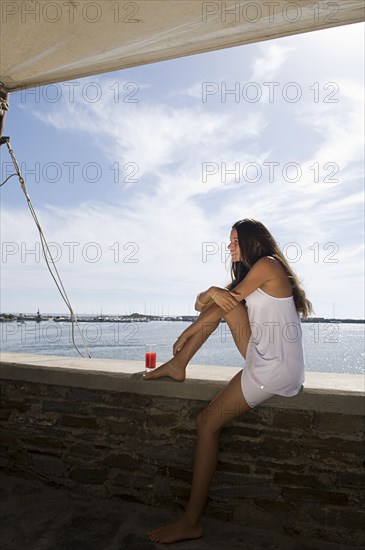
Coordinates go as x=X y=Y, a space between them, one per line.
x=323 y=392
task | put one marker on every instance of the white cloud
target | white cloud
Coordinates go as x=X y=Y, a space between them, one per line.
x=163 y=141
x=341 y=123
x=267 y=65
x=164 y=219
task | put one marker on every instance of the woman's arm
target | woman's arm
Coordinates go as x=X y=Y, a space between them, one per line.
x=207 y=298
x=225 y=300
x=261 y=272
x=264 y=270
x=201 y=301
x=204 y=299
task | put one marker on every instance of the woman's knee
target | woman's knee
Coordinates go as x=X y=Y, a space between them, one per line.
x=205 y=423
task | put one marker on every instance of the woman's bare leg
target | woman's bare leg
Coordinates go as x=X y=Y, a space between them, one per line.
x=238 y=322
x=175 y=367
x=226 y=406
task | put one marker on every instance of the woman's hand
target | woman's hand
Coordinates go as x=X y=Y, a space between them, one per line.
x=184 y=336
x=179 y=343
x=226 y=299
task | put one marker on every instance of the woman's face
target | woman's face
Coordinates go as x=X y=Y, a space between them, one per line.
x=233 y=246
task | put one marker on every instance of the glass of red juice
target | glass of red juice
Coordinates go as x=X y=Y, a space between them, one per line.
x=150 y=357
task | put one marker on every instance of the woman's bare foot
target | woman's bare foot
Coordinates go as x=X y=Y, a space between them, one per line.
x=178 y=530
x=171 y=369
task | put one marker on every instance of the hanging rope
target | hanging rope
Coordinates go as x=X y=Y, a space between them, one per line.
x=49 y=260
x=8 y=178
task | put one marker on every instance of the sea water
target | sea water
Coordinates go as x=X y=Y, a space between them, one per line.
x=328 y=347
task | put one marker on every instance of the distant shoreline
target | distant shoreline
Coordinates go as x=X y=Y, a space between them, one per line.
x=134 y=317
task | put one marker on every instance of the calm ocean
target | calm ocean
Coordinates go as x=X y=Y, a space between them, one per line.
x=328 y=347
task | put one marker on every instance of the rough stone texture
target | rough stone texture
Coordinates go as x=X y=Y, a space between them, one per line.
x=294 y=471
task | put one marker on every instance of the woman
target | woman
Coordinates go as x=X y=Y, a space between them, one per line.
x=268 y=335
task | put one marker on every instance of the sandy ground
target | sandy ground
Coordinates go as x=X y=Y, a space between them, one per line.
x=37 y=517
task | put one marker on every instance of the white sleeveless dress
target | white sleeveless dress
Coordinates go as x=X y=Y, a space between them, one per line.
x=275 y=358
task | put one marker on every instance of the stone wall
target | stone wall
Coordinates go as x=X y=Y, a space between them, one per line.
x=293 y=465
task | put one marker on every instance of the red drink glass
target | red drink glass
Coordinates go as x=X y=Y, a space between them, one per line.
x=150 y=357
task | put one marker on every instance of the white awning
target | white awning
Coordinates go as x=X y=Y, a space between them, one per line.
x=45 y=41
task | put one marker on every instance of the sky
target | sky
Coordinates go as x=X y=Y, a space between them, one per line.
x=137 y=177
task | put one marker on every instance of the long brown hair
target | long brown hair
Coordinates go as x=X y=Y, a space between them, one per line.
x=255 y=241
